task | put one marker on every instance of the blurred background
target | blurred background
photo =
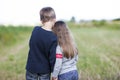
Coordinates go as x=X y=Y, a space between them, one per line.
x=95 y=25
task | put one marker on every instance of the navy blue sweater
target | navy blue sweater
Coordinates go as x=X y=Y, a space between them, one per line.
x=41 y=57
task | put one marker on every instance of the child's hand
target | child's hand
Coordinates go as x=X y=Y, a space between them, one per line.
x=54 y=78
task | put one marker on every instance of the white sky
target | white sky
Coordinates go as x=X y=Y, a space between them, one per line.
x=27 y=11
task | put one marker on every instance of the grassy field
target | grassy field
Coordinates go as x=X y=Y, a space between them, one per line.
x=13 y=52
x=99 y=53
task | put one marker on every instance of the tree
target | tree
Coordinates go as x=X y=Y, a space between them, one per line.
x=72 y=19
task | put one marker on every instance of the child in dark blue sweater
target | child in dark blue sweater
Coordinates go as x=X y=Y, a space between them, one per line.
x=42 y=44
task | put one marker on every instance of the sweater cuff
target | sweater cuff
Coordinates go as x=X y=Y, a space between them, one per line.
x=55 y=75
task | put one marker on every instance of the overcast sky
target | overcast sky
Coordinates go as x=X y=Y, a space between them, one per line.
x=27 y=11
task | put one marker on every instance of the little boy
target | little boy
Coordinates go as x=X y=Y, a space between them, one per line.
x=42 y=44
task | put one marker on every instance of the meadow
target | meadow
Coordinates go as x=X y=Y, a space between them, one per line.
x=98 y=45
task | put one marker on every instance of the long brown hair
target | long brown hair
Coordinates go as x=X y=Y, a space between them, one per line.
x=65 y=39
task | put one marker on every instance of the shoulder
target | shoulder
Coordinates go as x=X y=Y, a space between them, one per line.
x=58 y=49
x=36 y=28
x=53 y=37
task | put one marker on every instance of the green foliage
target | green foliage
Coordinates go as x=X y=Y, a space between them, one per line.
x=11 y=57
x=10 y=35
x=98 y=51
x=117 y=19
x=73 y=20
x=113 y=25
x=98 y=23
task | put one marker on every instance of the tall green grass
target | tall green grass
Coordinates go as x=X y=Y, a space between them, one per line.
x=13 y=51
x=99 y=53
x=9 y=35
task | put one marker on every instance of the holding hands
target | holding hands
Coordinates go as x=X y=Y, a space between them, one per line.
x=54 y=78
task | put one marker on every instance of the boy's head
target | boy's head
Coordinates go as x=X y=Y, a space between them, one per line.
x=47 y=14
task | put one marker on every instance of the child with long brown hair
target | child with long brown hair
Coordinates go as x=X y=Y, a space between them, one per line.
x=66 y=54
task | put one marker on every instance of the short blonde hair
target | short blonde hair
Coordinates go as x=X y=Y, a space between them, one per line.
x=47 y=14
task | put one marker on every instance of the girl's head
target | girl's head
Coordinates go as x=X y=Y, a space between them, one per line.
x=65 y=39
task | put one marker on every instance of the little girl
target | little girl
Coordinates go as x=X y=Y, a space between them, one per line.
x=66 y=54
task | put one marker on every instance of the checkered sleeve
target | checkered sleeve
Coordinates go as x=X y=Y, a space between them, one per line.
x=58 y=62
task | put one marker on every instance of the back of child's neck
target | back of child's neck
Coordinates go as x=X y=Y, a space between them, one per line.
x=47 y=27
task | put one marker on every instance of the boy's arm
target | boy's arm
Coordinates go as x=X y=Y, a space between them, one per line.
x=52 y=55
x=58 y=62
